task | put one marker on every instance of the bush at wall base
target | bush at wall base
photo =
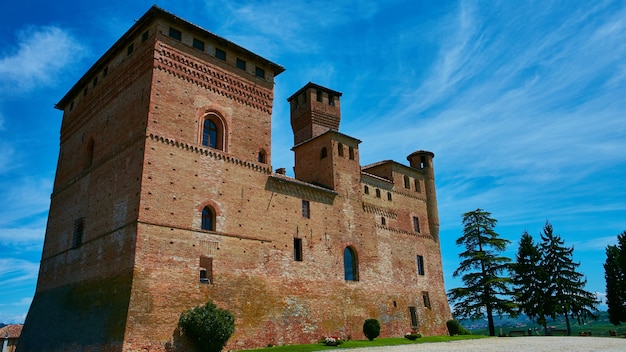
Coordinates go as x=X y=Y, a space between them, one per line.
x=207 y=326
x=371 y=329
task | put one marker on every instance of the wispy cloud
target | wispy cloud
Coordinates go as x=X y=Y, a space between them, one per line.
x=38 y=57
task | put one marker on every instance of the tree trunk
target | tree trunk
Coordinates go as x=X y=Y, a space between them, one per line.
x=569 y=328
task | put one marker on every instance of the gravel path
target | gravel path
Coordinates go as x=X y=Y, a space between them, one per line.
x=513 y=344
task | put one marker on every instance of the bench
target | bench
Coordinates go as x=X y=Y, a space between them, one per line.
x=517 y=333
x=562 y=332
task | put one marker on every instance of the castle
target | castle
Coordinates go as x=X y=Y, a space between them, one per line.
x=165 y=198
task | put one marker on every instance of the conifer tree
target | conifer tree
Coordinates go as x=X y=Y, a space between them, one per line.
x=529 y=280
x=565 y=294
x=486 y=287
x=615 y=276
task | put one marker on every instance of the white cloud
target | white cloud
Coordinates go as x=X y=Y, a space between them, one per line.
x=40 y=54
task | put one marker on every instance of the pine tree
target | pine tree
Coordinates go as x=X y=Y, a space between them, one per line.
x=615 y=276
x=565 y=294
x=529 y=280
x=486 y=286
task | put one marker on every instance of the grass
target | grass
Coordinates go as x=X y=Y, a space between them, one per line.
x=390 y=341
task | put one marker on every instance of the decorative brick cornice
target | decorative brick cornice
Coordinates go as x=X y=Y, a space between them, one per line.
x=212 y=153
x=404 y=232
x=299 y=189
x=373 y=209
x=210 y=77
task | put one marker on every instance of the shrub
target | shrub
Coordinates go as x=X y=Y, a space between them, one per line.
x=371 y=329
x=454 y=328
x=207 y=326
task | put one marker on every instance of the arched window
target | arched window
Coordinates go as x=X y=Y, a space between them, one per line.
x=208 y=219
x=262 y=157
x=323 y=153
x=213 y=132
x=350 y=264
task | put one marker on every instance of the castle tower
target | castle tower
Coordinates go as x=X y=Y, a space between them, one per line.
x=314 y=110
x=321 y=152
x=147 y=134
x=423 y=160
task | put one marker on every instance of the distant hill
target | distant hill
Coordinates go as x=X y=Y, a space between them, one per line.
x=2 y=325
x=504 y=324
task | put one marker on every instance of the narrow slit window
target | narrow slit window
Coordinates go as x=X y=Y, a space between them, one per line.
x=297 y=249
x=351 y=153
x=206 y=270
x=306 y=209
x=78 y=233
x=416 y=224
x=414 y=321
x=420 y=265
x=426 y=300
x=340 y=149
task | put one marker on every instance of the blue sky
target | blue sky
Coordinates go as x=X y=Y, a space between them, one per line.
x=522 y=102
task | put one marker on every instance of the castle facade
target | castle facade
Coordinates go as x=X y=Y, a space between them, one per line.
x=165 y=198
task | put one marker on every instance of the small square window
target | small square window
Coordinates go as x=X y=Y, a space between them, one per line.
x=176 y=34
x=130 y=49
x=144 y=36
x=220 y=54
x=241 y=64
x=260 y=72
x=306 y=209
x=198 y=44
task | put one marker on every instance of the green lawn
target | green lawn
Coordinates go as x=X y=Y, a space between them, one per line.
x=391 y=341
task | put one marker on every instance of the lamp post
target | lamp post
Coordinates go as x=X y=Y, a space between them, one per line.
x=6 y=342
